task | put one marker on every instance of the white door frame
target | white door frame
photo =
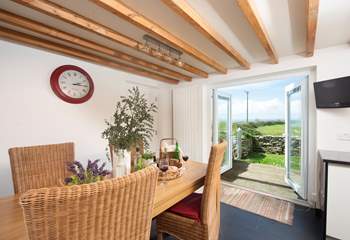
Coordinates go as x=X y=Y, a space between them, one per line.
x=289 y=90
x=227 y=97
x=314 y=195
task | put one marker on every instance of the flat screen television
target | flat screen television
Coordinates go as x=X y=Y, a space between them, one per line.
x=333 y=93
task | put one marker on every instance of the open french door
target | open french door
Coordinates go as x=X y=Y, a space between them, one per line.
x=296 y=139
x=222 y=125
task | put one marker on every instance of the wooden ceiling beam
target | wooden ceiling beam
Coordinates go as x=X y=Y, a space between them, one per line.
x=192 y=17
x=311 y=16
x=74 y=18
x=68 y=51
x=37 y=27
x=256 y=23
x=132 y=16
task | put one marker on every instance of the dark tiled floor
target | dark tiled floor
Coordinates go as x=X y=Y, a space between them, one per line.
x=237 y=224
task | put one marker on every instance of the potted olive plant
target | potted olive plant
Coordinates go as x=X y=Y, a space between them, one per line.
x=131 y=124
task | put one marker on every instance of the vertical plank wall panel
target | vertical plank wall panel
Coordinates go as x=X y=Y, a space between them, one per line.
x=188 y=121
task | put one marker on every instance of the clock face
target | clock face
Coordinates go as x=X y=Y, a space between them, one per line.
x=72 y=84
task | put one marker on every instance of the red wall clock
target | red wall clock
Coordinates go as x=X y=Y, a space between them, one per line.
x=72 y=84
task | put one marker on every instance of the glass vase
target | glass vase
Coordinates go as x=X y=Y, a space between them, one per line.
x=121 y=160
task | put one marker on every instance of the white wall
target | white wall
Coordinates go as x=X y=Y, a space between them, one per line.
x=31 y=114
x=326 y=64
x=188 y=109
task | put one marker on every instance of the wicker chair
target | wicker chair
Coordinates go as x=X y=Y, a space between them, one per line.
x=197 y=216
x=117 y=208
x=40 y=166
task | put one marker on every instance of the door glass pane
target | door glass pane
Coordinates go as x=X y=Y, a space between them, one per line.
x=223 y=124
x=295 y=137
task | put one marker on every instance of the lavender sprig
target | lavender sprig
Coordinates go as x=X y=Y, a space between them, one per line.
x=80 y=167
x=92 y=173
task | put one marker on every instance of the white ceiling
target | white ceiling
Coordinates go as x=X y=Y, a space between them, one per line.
x=333 y=23
x=284 y=20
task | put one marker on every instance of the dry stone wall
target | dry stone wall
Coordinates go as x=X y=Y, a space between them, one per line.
x=266 y=144
x=274 y=144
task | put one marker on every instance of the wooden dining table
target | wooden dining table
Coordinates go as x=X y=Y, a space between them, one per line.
x=168 y=193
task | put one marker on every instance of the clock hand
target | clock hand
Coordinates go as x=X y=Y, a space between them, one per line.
x=79 y=84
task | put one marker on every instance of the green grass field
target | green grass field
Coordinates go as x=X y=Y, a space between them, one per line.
x=277 y=130
x=266 y=158
x=272 y=159
x=273 y=130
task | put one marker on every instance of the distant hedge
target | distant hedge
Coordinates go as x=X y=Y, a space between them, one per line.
x=259 y=123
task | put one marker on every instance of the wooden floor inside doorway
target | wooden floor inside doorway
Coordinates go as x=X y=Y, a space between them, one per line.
x=260 y=177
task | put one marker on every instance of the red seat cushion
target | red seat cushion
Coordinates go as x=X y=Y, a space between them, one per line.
x=189 y=207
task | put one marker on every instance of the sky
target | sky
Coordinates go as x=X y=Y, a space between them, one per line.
x=266 y=100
